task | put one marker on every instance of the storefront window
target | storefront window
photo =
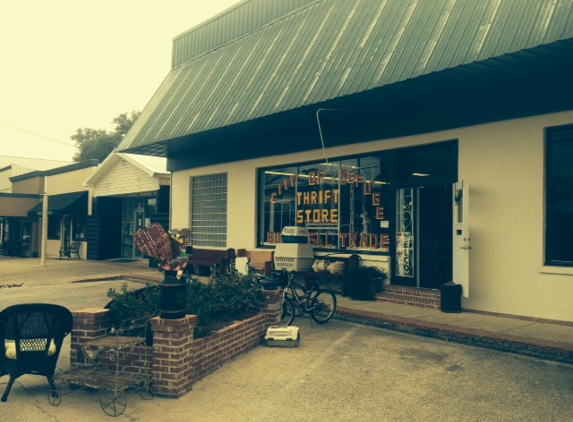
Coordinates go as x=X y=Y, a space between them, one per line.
x=355 y=203
x=343 y=203
x=54 y=226
x=80 y=227
x=559 y=201
x=25 y=235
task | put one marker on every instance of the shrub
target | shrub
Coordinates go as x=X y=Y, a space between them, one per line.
x=362 y=283
x=222 y=301
x=216 y=303
x=133 y=307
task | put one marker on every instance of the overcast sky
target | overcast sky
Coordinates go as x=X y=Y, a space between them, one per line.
x=69 y=64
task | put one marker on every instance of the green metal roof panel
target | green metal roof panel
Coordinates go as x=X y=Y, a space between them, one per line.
x=238 y=20
x=335 y=48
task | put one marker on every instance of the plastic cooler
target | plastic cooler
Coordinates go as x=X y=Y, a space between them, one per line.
x=294 y=253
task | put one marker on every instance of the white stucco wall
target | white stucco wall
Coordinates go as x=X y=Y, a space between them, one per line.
x=53 y=250
x=502 y=162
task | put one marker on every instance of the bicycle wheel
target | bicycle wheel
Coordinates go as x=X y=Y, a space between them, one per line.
x=288 y=312
x=323 y=306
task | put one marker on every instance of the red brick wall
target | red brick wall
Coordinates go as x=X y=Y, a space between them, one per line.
x=176 y=359
x=214 y=351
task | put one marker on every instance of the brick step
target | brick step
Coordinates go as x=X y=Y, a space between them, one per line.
x=413 y=296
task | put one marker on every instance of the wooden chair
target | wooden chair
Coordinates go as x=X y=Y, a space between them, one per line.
x=73 y=249
x=31 y=337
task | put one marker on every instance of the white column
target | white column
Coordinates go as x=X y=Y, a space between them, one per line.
x=44 y=243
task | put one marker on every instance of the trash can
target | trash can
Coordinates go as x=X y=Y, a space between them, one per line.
x=172 y=296
x=451 y=297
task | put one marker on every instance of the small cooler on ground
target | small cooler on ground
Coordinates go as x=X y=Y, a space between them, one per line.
x=282 y=336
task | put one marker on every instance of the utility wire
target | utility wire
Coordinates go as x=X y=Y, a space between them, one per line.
x=42 y=109
x=38 y=135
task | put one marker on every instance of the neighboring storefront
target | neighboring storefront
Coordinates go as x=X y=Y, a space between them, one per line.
x=381 y=143
x=69 y=204
x=15 y=225
x=130 y=192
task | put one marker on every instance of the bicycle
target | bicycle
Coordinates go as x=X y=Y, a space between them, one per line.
x=298 y=289
x=319 y=303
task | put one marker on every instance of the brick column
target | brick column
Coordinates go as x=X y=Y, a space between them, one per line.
x=172 y=355
x=89 y=324
x=271 y=307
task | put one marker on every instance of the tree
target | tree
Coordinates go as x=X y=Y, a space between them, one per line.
x=99 y=143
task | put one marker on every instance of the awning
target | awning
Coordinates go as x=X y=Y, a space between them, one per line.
x=66 y=203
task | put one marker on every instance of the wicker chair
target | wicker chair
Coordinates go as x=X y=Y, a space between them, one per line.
x=31 y=337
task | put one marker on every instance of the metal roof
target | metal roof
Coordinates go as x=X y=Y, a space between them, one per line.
x=57 y=170
x=238 y=20
x=335 y=49
x=30 y=164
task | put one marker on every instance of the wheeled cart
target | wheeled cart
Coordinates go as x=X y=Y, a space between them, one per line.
x=99 y=368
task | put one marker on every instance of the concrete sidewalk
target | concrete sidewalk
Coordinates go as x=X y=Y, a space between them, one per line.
x=545 y=339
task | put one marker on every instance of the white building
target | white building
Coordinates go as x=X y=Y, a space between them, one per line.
x=391 y=129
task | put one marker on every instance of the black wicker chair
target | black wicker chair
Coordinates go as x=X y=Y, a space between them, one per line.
x=31 y=337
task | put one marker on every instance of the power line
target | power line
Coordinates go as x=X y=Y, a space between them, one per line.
x=37 y=134
x=42 y=109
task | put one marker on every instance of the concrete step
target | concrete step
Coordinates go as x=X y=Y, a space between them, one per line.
x=413 y=296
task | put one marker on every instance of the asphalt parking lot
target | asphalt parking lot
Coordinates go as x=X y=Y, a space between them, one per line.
x=341 y=372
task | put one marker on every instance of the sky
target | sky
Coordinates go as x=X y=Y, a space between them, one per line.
x=69 y=64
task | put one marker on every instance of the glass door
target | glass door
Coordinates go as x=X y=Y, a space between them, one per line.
x=139 y=223
x=405 y=271
x=65 y=238
x=423 y=244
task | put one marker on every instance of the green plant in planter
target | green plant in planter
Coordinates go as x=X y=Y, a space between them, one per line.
x=133 y=307
x=362 y=283
x=216 y=303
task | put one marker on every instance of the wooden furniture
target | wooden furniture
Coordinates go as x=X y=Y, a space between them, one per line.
x=31 y=337
x=261 y=260
x=205 y=259
x=73 y=249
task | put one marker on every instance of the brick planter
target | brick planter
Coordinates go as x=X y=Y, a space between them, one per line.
x=176 y=359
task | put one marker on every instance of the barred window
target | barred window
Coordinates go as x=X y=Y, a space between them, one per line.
x=209 y=210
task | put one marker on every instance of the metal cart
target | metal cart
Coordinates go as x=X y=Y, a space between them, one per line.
x=99 y=368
